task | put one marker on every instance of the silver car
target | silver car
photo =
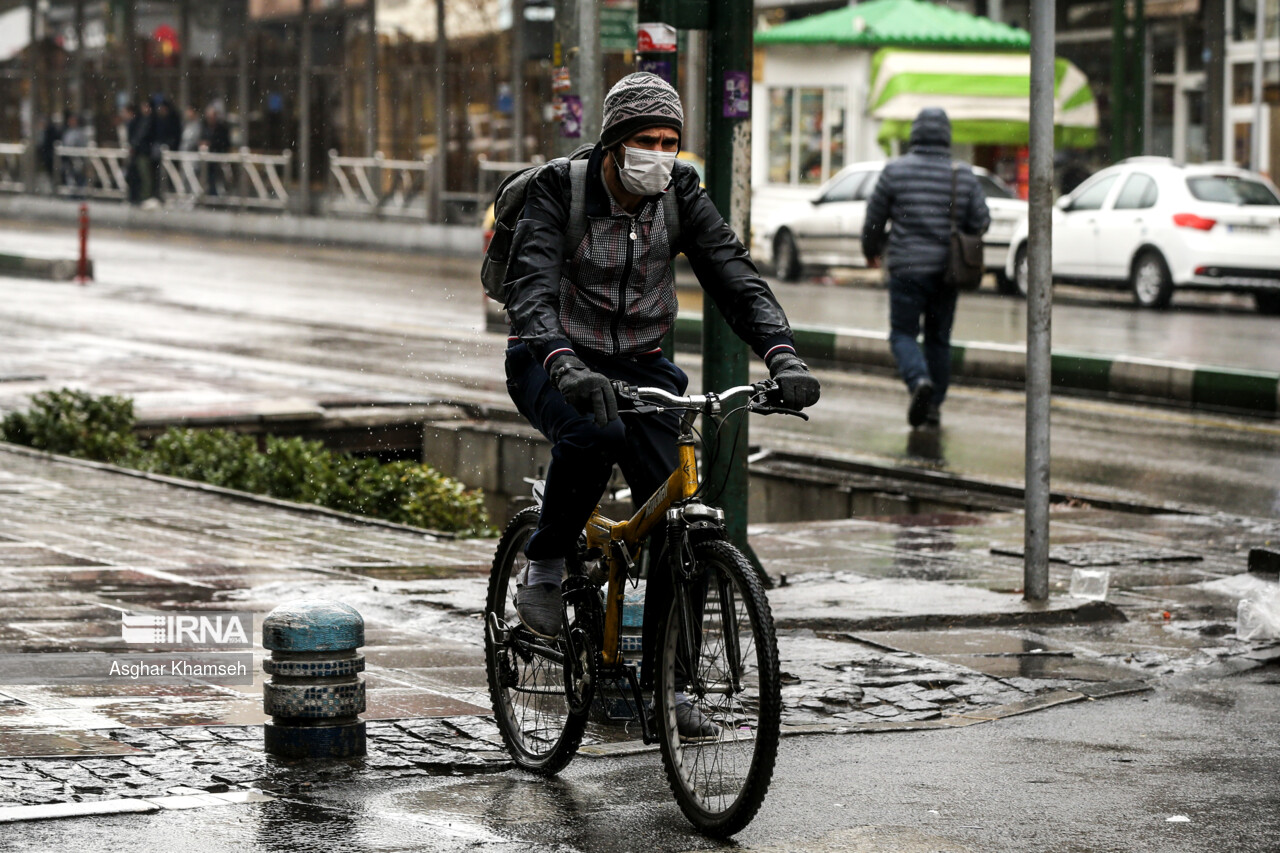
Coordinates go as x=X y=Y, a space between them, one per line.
x=829 y=233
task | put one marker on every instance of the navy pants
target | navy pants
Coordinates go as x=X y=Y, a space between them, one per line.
x=912 y=297
x=583 y=456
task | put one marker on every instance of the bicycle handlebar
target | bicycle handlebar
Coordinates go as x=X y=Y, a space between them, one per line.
x=646 y=400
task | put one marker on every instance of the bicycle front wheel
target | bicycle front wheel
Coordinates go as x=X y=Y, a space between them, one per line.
x=726 y=678
x=526 y=675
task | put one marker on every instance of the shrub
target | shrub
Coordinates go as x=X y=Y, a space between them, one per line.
x=74 y=423
x=78 y=424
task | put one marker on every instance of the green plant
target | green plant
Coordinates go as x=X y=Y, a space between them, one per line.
x=295 y=469
x=74 y=423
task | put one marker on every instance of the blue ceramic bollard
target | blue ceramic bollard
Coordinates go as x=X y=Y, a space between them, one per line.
x=315 y=692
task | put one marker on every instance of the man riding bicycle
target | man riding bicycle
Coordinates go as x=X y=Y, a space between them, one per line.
x=584 y=315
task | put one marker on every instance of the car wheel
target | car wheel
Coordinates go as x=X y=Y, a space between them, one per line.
x=786 y=260
x=1152 y=285
x=1021 y=275
x=1268 y=302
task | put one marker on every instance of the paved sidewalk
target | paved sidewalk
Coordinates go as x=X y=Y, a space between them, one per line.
x=885 y=624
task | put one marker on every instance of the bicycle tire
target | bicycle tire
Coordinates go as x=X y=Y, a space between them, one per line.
x=716 y=805
x=530 y=704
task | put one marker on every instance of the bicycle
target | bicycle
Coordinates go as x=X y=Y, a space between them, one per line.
x=716 y=643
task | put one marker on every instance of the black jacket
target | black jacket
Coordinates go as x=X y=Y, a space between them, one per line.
x=537 y=289
x=914 y=192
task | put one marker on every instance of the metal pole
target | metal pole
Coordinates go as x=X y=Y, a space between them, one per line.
x=242 y=84
x=1039 y=303
x=129 y=24
x=566 y=29
x=1138 y=84
x=304 y=109
x=184 y=56
x=371 y=81
x=517 y=79
x=442 y=116
x=77 y=92
x=33 y=90
x=1260 y=31
x=693 y=90
x=1119 y=101
x=1214 y=18
x=724 y=356
x=590 y=83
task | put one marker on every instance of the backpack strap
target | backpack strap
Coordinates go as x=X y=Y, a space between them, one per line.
x=576 y=228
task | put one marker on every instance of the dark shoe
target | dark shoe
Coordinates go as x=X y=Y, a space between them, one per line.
x=921 y=400
x=934 y=417
x=539 y=608
x=693 y=725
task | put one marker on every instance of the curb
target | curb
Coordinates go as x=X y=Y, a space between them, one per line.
x=53 y=269
x=287 y=228
x=1053 y=699
x=1190 y=386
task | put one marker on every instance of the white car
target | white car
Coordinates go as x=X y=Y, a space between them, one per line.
x=1154 y=226
x=829 y=233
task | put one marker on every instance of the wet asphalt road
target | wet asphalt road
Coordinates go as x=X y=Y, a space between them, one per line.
x=178 y=322
x=1104 y=776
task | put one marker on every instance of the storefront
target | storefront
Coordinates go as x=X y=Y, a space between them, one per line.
x=842 y=87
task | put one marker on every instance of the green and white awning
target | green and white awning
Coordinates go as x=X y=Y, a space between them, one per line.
x=986 y=95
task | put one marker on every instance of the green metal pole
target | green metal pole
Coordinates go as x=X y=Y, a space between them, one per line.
x=724 y=356
x=1138 y=79
x=1119 y=90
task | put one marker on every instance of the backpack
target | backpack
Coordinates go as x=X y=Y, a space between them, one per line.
x=508 y=205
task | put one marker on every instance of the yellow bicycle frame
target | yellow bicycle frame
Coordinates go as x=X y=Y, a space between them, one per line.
x=619 y=540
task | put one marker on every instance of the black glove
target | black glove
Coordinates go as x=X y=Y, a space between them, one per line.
x=587 y=391
x=796 y=385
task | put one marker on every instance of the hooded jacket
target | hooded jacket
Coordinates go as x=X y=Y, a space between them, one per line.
x=614 y=295
x=914 y=193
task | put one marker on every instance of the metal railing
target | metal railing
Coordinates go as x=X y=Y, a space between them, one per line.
x=91 y=172
x=490 y=174
x=11 y=166
x=236 y=179
x=376 y=186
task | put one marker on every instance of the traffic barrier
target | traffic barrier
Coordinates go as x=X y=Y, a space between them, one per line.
x=315 y=692
x=376 y=186
x=84 y=271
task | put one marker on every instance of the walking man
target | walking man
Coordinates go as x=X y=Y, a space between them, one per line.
x=586 y=314
x=915 y=194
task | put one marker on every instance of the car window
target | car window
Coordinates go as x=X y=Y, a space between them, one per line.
x=867 y=188
x=844 y=188
x=1138 y=193
x=1093 y=197
x=1231 y=189
x=992 y=188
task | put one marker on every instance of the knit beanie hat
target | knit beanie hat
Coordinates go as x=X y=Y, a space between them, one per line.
x=638 y=101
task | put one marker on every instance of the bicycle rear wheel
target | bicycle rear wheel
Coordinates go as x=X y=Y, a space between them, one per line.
x=526 y=680
x=730 y=673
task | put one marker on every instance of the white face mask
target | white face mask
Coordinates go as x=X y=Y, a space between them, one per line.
x=646 y=172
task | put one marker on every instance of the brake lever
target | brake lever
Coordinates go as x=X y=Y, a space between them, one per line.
x=777 y=410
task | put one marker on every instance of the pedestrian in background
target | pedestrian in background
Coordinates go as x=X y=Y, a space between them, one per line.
x=141 y=133
x=73 y=136
x=914 y=192
x=216 y=139
x=167 y=136
x=192 y=130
